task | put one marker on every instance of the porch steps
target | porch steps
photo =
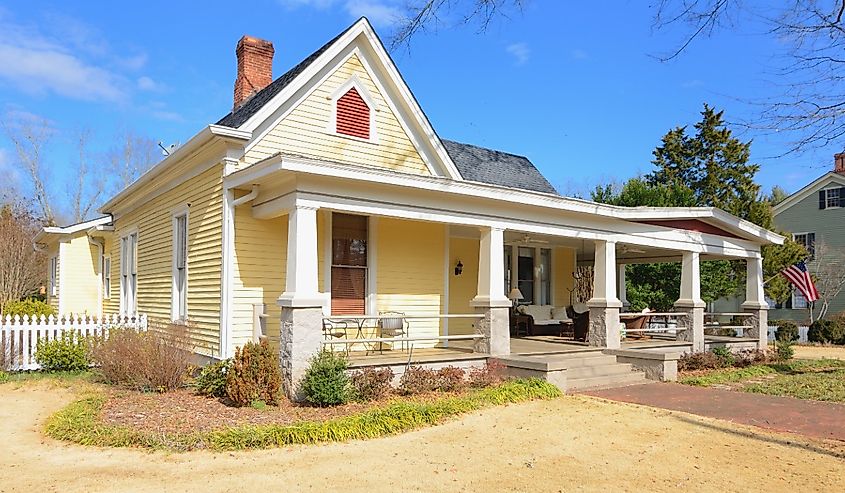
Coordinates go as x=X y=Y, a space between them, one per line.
x=576 y=371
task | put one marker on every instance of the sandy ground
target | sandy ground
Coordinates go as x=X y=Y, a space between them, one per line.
x=573 y=443
x=816 y=352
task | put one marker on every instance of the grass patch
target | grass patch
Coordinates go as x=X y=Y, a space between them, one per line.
x=727 y=375
x=79 y=422
x=38 y=376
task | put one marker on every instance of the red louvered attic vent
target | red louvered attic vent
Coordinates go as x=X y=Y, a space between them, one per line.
x=353 y=115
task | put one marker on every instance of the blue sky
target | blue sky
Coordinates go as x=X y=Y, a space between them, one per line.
x=574 y=87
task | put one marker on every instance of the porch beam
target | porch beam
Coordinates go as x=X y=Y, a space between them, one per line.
x=604 y=305
x=691 y=326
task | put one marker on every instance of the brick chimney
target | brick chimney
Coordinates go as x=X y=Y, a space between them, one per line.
x=839 y=163
x=255 y=67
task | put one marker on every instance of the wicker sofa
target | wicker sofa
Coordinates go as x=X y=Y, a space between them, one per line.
x=570 y=321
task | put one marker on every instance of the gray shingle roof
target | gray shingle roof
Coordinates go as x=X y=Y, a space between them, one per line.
x=496 y=167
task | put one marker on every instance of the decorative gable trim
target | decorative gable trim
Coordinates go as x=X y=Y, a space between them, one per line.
x=354 y=82
x=416 y=125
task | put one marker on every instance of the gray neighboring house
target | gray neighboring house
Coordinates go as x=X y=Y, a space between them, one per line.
x=814 y=214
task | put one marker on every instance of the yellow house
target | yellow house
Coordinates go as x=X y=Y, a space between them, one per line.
x=325 y=211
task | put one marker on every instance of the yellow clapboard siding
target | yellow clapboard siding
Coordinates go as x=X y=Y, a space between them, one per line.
x=154 y=223
x=304 y=131
x=409 y=275
x=81 y=275
x=563 y=268
x=462 y=288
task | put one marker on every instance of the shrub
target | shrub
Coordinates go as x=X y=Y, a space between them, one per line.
x=787 y=331
x=490 y=374
x=827 y=331
x=212 y=379
x=254 y=375
x=724 y=357
x=29 y=307
x=418 y=380
x=698 y=361
x=451 y=379
x=372 y=384
x=785 y=351
x=748 y=357
x=67 y=353
x=325 y=382
x=156 y=359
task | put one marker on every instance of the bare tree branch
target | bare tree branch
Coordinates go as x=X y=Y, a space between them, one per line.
x=30 y=137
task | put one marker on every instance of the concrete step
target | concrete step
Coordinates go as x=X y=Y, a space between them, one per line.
x=607 y=381
x=579 y=372
x=579 y=360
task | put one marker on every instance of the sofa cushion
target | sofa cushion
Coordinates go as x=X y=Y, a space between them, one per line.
x=560 y=313
x=580 y=308
x=538 y=313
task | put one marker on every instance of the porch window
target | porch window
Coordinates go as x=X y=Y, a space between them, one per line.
x=180 y=268
x=508 y=263
x=349 y=264
x=54 y=276
x=525 y=274
x=129 y=274
x=106 y=278
x=545 y=276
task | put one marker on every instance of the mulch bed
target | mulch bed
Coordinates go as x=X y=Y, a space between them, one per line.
x=184 y=411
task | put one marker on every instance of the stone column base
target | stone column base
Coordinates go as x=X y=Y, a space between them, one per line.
x=604 y=325
x=759 y=322
x=691 y=325
x=495 y=327
x=301 y=335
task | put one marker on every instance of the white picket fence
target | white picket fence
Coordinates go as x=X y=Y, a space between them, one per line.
x=19 y=336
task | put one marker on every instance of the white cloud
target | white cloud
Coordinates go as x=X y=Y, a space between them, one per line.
x=36 y=59
x=11 y=174
x=520 y=51
x=379 y=12
x=147 y=84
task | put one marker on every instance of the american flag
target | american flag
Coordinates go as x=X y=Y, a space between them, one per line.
x=799 y=276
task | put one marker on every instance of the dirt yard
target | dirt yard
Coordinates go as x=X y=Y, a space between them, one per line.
x=574 y=443
x=817 y=352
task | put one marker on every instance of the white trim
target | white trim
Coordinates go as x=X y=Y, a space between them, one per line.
x=827 y=199
x=327 y=257
x=279 y=162
x=808 y=190
x=62 y=262
x=353 y=82
x=73 y=228
x=105 y=274
x=128 y=232
x=227 y=273
x=372 y=265
x=175 y=214
x=448 y=273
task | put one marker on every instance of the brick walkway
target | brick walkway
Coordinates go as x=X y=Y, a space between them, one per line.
x=808 y=418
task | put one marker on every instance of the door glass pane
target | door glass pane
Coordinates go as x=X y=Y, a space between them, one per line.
x=349 y=264
x=525 y=274
x=508 y=263
x=545 y=276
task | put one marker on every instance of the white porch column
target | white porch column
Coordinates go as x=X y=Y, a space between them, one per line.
x=622 y=288
x=604 y=305
x=490 y=301
x=691 y=326
x=755 y=302
x=302 y=304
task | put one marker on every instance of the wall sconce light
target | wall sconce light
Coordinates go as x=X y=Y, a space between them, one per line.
x=459 y=268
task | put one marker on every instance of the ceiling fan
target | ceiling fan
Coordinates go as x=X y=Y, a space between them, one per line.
x=526 y=240
x=628 y=249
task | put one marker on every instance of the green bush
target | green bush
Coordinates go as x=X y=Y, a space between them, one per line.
x=254 y=375
x=325 y=382
x=724 y=357
x=787 y=331
x=827 y=332
x=371 y=384
x=29 y=307
x=785 y=351
x=212 y=379
x=67 y=353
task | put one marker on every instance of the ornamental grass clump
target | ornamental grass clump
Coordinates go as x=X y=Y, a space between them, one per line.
x=254 y=375
x=325 y=382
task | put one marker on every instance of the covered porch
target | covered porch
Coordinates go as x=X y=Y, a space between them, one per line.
x=403 y=270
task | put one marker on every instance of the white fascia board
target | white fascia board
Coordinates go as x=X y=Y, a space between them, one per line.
x=279 y=162
x=362 y=27
x=808 y=190
x=70 y=229
x=204 y=136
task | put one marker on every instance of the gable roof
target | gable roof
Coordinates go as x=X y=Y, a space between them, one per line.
x=496 y=167
x=49 y=231
x=808 y=190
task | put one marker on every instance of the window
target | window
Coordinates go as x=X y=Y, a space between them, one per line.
x=349 y=264
x=508 y=261
x=525 y=274
x=808 y=241
x=54 y=276
x=179 y=310
x=129 y=274
x=798 y=300
x=545 y=276
x=832 y=198
x=106 y=275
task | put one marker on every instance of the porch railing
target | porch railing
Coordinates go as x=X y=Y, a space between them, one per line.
x=733 y=329
x=350 y=330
